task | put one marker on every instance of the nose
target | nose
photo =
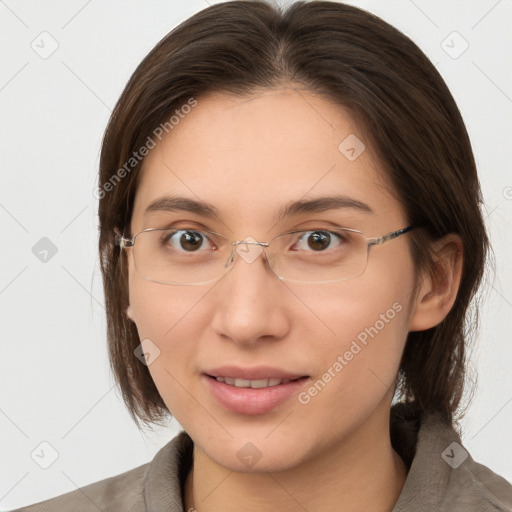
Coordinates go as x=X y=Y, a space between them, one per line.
x=250 y=299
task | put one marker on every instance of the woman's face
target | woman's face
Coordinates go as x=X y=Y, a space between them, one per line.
x=249 y=157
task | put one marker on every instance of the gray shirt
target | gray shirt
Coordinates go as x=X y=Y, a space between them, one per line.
x=442 y=478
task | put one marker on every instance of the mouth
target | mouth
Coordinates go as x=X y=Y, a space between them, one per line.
x=252 y=391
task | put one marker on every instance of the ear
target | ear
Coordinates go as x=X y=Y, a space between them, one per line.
x=437 y=292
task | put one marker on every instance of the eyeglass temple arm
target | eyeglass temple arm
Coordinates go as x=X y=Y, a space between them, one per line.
x=384 y=238
x=121 y=241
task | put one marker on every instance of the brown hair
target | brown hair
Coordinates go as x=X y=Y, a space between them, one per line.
x=396 y=95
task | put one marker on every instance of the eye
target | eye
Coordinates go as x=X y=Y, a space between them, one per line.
x=185 y=239
x=320 y=240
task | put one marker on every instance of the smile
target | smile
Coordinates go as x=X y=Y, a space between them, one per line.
x=255 y=384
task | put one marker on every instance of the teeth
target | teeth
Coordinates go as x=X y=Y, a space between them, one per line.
x=262 y=383
x=255 y=384
x=242 y=383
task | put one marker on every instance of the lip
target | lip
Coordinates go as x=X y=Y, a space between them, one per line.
x=252 y=401
x=253 y=373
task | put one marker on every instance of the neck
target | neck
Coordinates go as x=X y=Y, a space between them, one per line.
x=362 y=472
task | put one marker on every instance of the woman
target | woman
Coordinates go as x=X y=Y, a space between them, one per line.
x=290 y=238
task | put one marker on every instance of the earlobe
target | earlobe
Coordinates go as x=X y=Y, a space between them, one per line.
x=438 y=291
x=129 y=313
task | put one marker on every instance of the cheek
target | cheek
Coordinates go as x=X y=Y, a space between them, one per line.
x=356 y=376
x=168 y=316
x=159 y=310
x=367 y=333
x=368 y=324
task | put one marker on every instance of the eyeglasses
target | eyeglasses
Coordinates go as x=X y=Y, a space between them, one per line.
x=192 y=257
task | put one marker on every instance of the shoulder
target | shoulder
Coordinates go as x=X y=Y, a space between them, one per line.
x=478 y=486
x=145 y=488
x=121 y=492
x=444 y=477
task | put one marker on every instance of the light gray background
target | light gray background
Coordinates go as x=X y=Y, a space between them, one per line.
x=56 y=385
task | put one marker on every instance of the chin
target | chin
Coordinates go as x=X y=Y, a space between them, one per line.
x=261 y=455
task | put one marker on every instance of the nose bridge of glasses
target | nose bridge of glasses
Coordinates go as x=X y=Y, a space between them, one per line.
x=248 y=254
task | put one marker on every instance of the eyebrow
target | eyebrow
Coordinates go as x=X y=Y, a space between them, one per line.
x=319 y=204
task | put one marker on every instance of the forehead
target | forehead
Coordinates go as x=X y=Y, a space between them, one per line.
x=250 y=155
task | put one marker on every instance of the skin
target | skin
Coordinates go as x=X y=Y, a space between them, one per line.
x=248 y=156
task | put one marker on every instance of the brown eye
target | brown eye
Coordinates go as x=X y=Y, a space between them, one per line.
x=318 y=241
x=187 y=240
